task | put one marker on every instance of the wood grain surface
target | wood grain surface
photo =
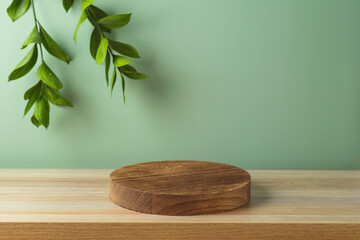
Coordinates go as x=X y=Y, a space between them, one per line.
x=74 y=204
x=180 y=187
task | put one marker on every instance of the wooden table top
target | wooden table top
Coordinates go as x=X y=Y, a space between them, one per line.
x=46 y=202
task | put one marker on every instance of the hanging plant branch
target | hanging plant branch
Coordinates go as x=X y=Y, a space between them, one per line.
x=102 y=47
x=47 y=88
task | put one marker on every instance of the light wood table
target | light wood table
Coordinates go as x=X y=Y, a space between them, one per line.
x=74 y=204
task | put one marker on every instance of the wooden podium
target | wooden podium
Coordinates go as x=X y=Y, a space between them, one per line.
x=180 y=187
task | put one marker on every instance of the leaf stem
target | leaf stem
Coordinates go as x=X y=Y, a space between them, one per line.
x=98 y=27
x=95 y=22
x=37 y=27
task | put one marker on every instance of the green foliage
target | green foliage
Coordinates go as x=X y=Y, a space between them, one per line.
x=124 y=49
x=31 y=90
x=85 y=4
x=94 y=14
x=33 y=94
x=18 y=8
x=52 y=47
x=120 y=61
x=134 y=75
x=67 y=4
x=107 y=67
x=54 y=96
x=34 y=37
x=102 y=50
x=35 y=121
x=95 y=40
x=25 y=65
x=128 y=68
x=42 y=111
x=113 y=80
x=81 y=20
x=115 y=21
x=46 y=90
x=130 y=72
x=123 y=86
x=45 y=74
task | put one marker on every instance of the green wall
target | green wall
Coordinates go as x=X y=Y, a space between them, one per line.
x=262 y=84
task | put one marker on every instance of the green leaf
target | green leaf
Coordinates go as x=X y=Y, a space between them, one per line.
x=52 y=47
x=81 y=20
x=123 y=86
x=35 y=121
x=85 y=4
x=113 y=80
x=102 y=50
x=34 y=37
x=128 y=68
x=34 y=96
x=94 y=14
x=124 y=49
x=67 y=4
x=31 y=90
x=131 y=73
x=107 y=67
x=18 y=8
x=94 y=42
x=120 y=61
x=48 y=76
x=135 y=75
x=42 y=111
x=115 y=21
x=54 y=96
x=25 y=65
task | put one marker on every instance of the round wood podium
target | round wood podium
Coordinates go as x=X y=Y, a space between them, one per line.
x=180 y=187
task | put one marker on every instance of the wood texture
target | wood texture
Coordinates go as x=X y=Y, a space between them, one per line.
x=74 y=204
x=180 y=187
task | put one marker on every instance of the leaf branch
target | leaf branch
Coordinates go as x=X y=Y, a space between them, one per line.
x=37 y=27
x=101 y=47
x=47 y=89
